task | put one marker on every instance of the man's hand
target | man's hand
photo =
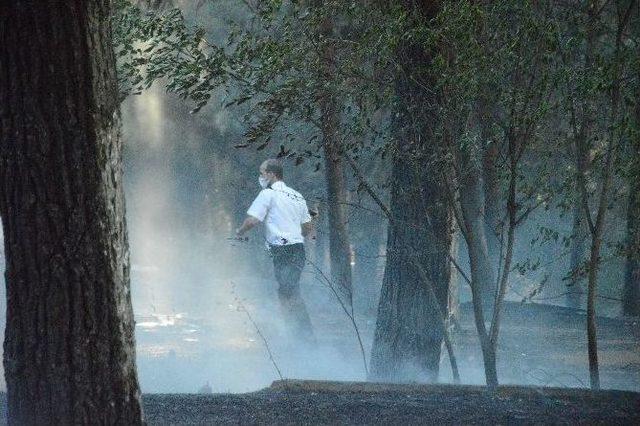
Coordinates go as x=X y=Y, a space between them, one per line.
x=248 y=223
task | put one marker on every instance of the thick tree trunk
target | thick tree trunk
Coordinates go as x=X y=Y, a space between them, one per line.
x=409 y=332
x=339 y=245
x=409 y=328
x=69 y=342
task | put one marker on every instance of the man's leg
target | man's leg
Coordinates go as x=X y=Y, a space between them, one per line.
x=288 y=264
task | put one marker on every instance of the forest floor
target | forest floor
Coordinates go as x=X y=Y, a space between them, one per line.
x=546 y=345
x=541 y=346
x=317 y=402
x=542 y=362
x=298 y=402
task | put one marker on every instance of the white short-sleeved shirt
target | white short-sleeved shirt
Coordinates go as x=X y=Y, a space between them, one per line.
x=283 y=211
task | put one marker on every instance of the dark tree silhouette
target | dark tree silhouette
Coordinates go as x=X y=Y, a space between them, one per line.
x=409 y=331
x=69 y=353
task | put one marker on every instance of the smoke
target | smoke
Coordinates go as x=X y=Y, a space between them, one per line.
x=187 y=189
x=190 y=283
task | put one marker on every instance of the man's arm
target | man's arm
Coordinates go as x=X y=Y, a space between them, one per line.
x=248 y=223
x=257 y=212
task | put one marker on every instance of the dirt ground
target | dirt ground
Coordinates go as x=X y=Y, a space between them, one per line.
x=316 y=402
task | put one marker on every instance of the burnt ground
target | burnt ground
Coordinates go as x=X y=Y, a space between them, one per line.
x=546 y=345
x=314 y=402
x=317 y=402
x=540 y=345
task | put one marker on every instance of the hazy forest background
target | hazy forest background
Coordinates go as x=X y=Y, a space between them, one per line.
x=467 y=159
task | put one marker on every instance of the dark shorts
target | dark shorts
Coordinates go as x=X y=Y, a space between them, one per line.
x=288 y=262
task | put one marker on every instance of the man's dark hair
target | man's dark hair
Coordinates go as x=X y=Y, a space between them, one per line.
x=273 y=166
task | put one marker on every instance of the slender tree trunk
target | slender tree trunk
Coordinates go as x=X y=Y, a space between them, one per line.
x=597 y=227
x=409 y=329
x=582 y=163
x=482 y=273
x=594 y=263
x=580 y=234
x=582 y=148
x=339 y=245
x=473 y=209
x=453 y=302
x=69 y=353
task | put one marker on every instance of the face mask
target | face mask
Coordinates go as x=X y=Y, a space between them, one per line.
x=263 y=181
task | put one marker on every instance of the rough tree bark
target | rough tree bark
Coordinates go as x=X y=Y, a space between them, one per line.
x=69 y=341
x=409 y=331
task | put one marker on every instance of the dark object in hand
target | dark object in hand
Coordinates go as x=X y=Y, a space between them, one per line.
x=238 y=239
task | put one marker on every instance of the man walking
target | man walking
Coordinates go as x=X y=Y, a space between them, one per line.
x=287 y=221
